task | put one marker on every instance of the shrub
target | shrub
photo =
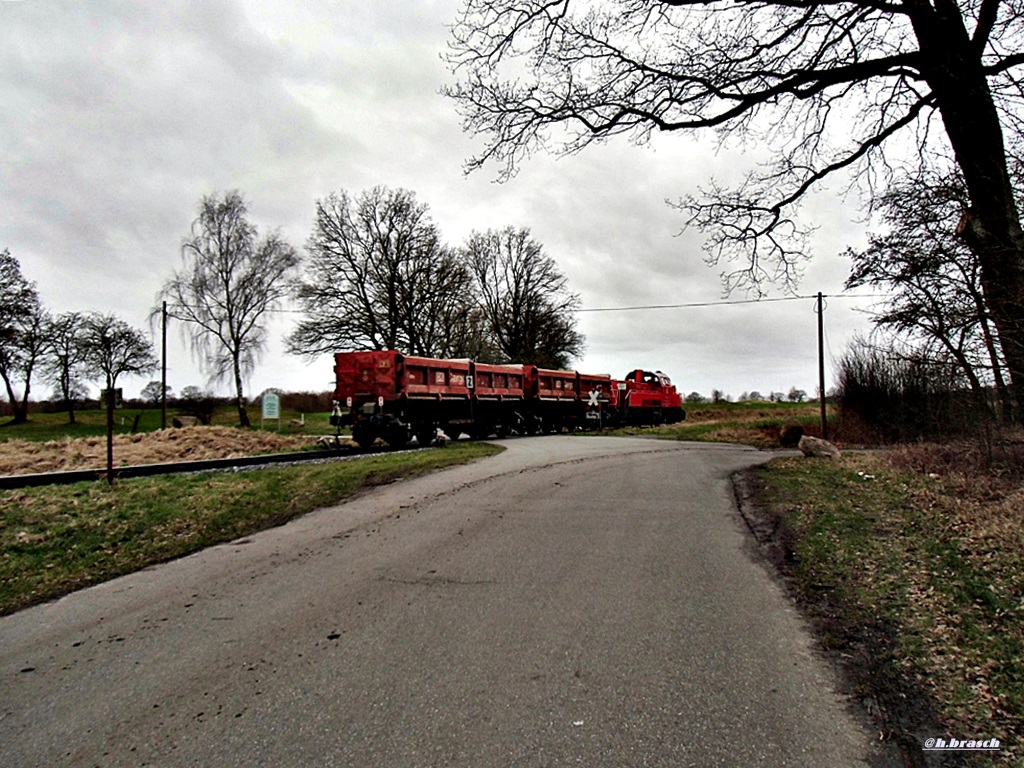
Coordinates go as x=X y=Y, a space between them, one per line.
x=903 y=397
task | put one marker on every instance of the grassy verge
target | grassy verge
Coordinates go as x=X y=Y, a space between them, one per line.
x=57 y=539
x=916 y=578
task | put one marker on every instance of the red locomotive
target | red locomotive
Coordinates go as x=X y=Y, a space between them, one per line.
x=395 y=397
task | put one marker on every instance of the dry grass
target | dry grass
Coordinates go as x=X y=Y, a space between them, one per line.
x=913 y=561
x=980 y=494
x=187 y=444
x=976 y=500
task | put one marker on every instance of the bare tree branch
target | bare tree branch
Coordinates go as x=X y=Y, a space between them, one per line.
x=836 y=89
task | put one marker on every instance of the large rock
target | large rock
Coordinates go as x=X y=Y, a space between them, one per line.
x=185 y=421
x=817 y=448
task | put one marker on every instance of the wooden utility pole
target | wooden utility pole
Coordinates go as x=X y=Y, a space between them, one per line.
x=820 y=309
x=163 y=367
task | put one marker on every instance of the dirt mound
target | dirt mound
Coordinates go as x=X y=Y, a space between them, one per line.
x=19 y=457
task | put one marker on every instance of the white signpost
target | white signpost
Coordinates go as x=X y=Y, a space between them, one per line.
x=271 y=408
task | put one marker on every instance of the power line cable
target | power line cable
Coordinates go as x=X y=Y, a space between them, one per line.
x=727 y=303
x=688 y=305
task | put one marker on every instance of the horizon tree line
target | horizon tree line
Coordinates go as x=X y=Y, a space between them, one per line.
x=377 y=276
x=68 y=349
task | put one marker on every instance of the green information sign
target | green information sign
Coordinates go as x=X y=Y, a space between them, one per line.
x=271 y=406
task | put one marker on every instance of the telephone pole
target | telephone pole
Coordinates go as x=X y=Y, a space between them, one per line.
x=820 y=309
x=163 y=367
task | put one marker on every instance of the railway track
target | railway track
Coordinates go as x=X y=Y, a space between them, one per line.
x=10 y=482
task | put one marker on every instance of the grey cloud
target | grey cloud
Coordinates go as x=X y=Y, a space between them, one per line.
x=119 y=116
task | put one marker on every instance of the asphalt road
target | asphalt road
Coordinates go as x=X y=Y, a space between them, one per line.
x=574 y=601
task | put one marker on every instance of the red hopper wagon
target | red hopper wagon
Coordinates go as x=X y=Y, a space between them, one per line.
x=395 y=397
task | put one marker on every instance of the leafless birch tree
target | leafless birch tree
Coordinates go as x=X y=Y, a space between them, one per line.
x=229 y=281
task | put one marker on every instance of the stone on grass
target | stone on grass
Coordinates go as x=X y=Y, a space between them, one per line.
x=815 y=447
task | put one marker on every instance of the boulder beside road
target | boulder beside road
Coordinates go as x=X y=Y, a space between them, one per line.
x=815 y=447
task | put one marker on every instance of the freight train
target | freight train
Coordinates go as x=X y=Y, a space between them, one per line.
x=396 y=397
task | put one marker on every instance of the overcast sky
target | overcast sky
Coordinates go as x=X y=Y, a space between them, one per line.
x=119 y=116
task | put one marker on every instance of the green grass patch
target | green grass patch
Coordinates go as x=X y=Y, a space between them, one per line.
x=93 y=423
x=905 y=579
x=54 y=426
x=57 y=539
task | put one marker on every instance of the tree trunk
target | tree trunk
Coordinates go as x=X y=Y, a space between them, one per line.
x=110 y=431
x=243 y=414
x=1006 y=407
x=19 y=412
x=951 y=64
x=65 y=388
x=24 y=399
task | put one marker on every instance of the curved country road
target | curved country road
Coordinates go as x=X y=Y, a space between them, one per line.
x=573 y=601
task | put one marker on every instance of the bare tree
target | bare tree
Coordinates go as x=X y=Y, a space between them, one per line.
x=378 y=277
x=22 y=320
x=114 y=349
x=934 y=280
x=66 y=357
x=154 y=392
x=831 y=87
x=445 y=320
x=230 y=279
x=527 y=309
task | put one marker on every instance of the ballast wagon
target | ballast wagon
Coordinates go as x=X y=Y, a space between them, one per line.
x=396 y=397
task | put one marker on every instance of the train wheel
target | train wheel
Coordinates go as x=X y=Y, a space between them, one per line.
x=364 y=435
x=396 y=435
